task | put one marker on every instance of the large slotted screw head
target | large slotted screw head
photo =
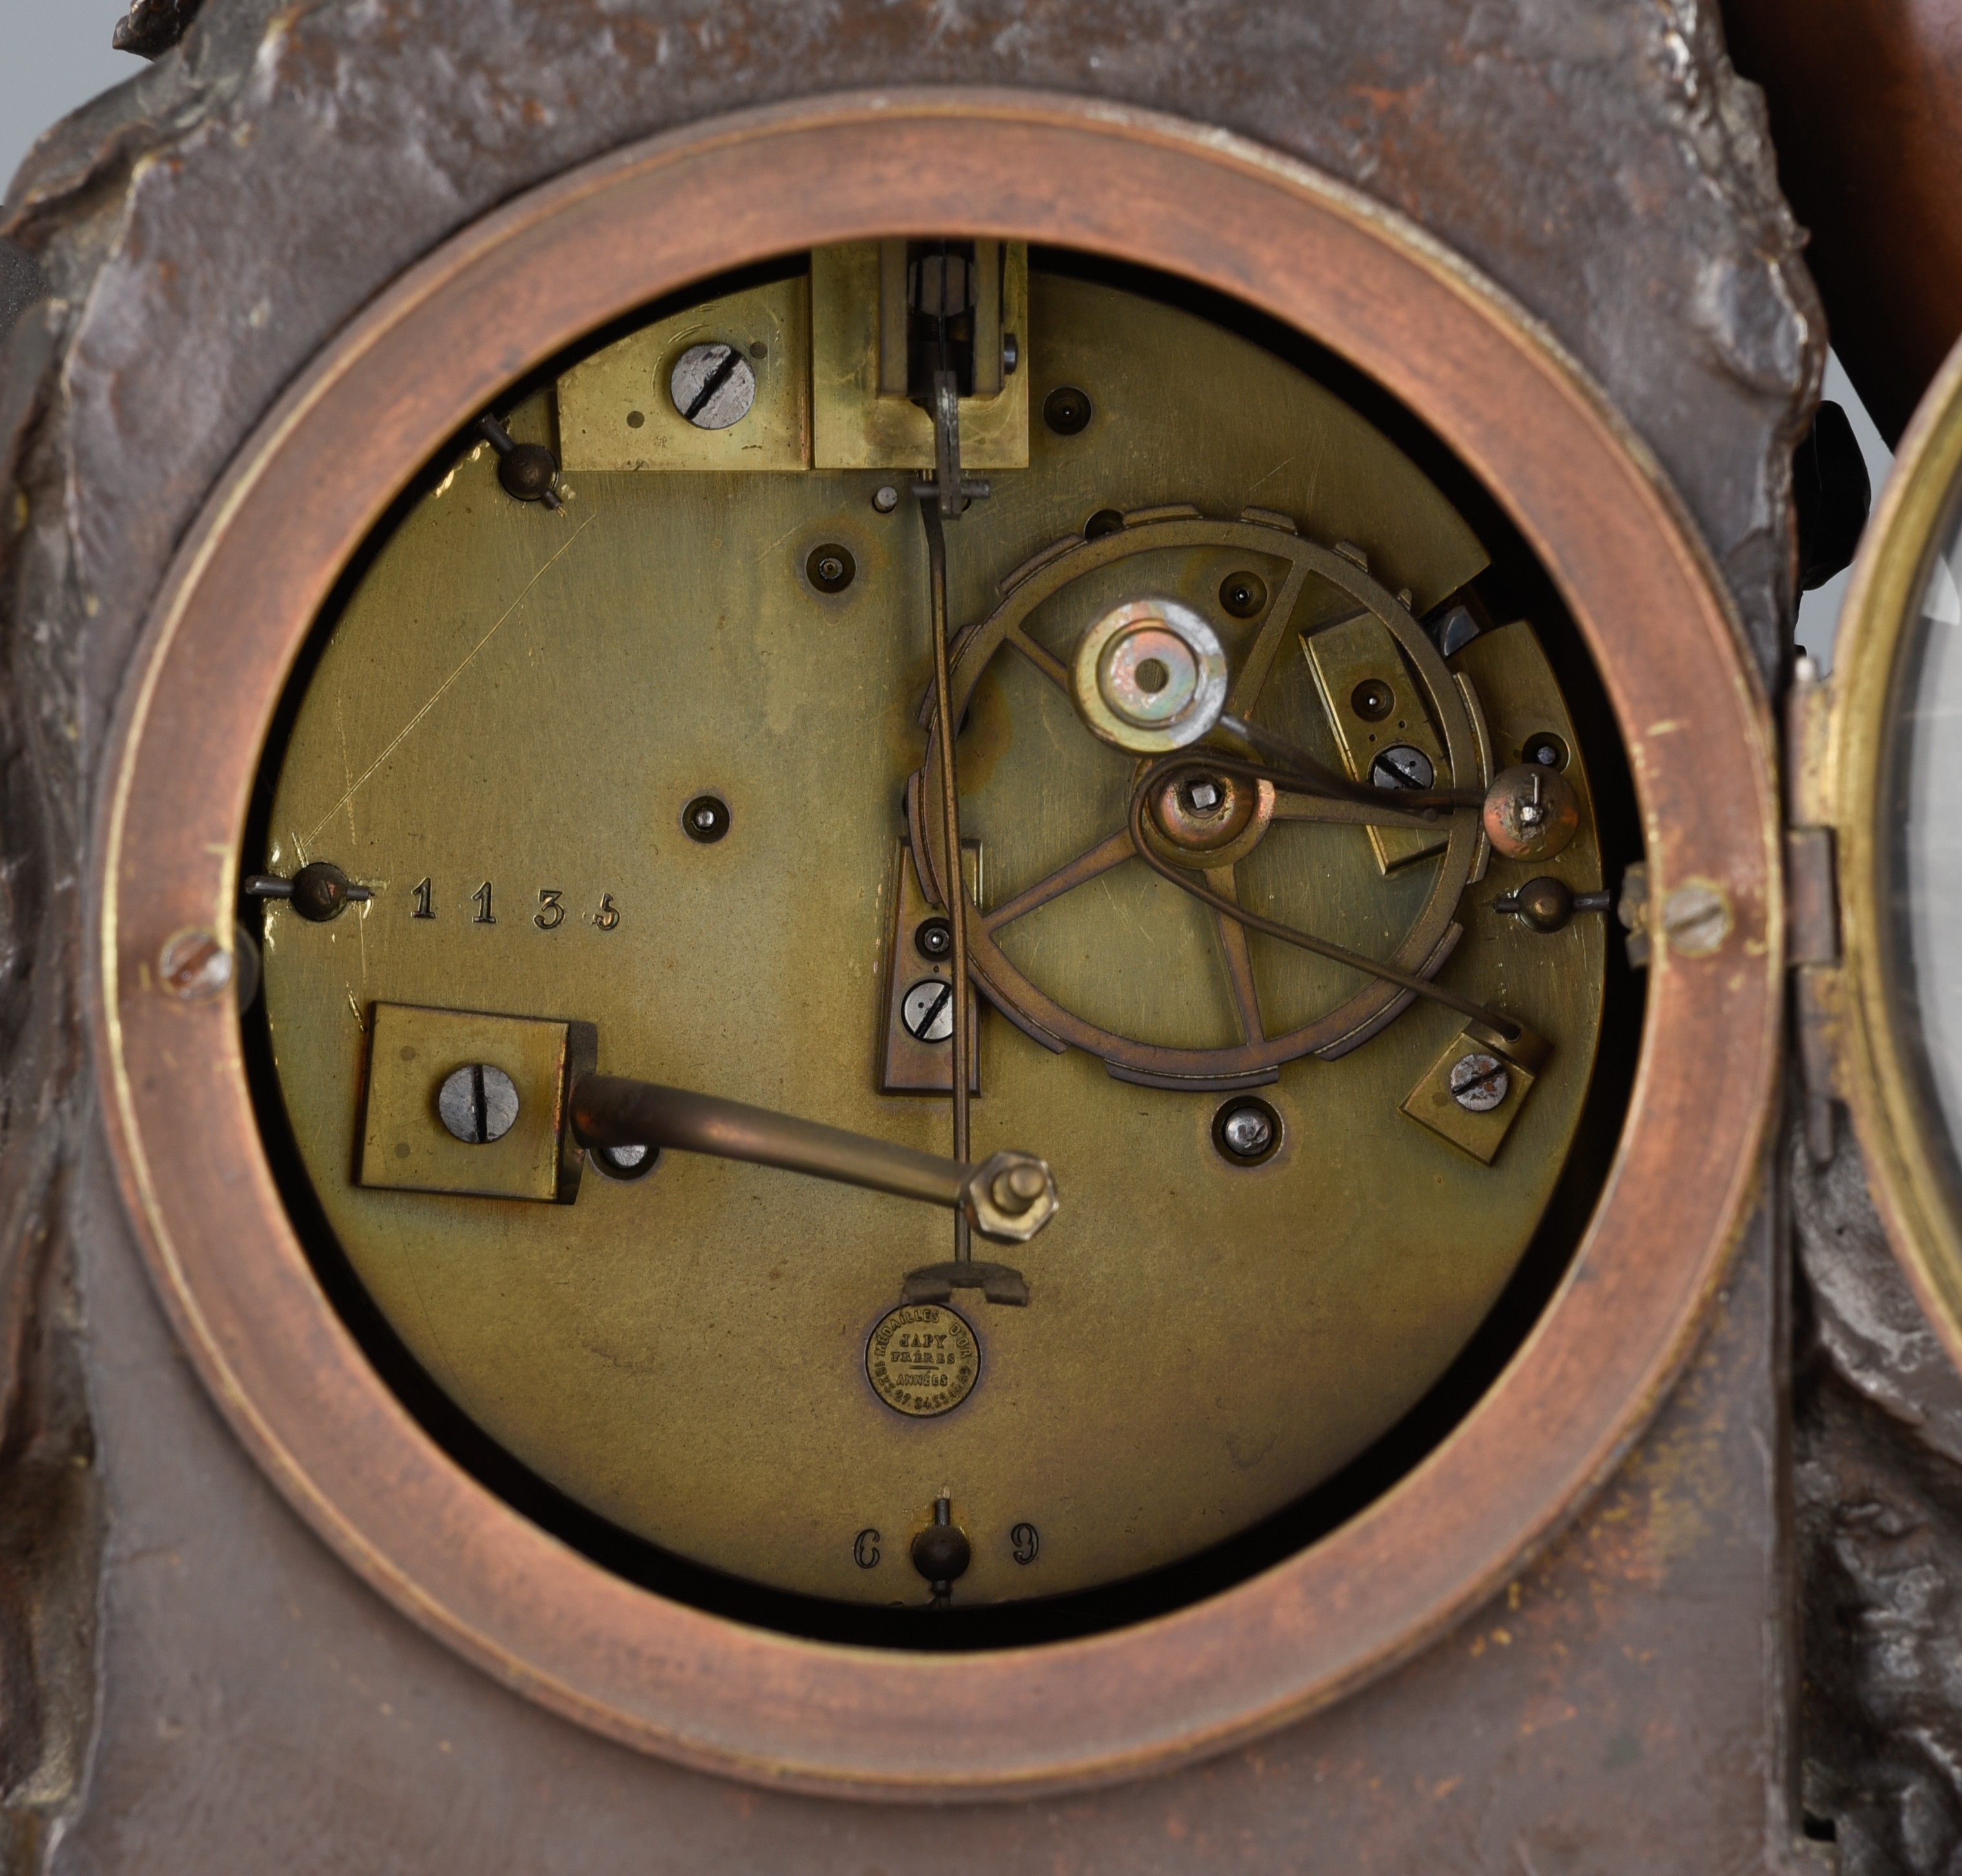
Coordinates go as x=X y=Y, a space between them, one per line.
x=926 y=1010
x=1400 y=766
x=713 y=386
x=1479 y=1082
x=477 y=1103
x=193 y=964
x=1696 y=918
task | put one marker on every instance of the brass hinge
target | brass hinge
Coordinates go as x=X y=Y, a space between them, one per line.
x=1812 y=897
x=1812 y=900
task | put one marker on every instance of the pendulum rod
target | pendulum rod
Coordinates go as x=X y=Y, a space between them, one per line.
x=953 y=891
x=945 y=496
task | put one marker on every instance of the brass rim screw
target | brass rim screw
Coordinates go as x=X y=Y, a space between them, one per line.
x=193 y=965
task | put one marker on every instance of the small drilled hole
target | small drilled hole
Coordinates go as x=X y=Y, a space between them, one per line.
x=705 y=818
x=1243 y=595
x=1067 y=410
x=831 y=568
x=1372 y=700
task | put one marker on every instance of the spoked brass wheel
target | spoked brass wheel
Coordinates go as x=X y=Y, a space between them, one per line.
x=1310 y=587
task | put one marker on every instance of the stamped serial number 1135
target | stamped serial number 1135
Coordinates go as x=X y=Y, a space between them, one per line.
x=551 y=914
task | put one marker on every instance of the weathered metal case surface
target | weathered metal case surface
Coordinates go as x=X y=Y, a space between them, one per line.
x=1621 y=1707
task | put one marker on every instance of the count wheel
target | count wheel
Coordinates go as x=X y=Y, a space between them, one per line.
x=1279 y=592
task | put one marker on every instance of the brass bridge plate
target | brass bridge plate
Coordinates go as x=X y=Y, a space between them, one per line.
x=404 y=1145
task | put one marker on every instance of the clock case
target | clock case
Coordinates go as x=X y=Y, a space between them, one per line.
x=1666 y=1597
x=267 y=554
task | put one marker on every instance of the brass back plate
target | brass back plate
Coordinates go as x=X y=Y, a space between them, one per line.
x=523 y=701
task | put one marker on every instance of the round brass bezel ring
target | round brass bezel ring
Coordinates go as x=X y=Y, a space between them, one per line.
x=512 y=290
x=1900 y=1131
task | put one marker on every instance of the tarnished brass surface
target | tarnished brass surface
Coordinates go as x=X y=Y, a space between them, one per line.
x=857 y=337
x=525 y=700
x=615 y=410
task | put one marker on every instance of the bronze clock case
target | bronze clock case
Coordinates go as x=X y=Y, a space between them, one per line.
x=563 y=262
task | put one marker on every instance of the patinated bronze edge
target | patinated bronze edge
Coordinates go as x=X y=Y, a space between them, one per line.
x=1901 y=1134
x=246 y=587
